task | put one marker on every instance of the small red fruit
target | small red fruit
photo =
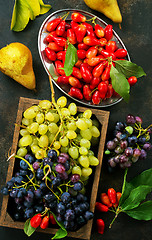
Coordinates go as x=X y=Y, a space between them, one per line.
x=108 y=32
x=100 y=226
x=132 y=80
x=78 y=17
x=36 y=220
x=96 y=97
x=112 y=195
x=101 y=207
x=45 y=222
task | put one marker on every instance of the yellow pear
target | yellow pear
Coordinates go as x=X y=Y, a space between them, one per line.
x=16 y=62
x=108 y=7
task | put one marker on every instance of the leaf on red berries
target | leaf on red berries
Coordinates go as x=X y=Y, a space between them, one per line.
x=129 y=69
x=120 y=83
x=70 y=59
x=62 y=232
x=28 y=229
x=53 y=72
x=142 y=212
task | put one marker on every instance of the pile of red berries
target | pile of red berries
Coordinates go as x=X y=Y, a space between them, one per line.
x=96 y=51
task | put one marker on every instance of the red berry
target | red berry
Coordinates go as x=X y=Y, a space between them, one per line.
x=132 y=80
x=36 y=220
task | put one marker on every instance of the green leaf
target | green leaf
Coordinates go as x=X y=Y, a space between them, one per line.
x=62 y=232
x=35 y=7
x=129 y=69
x=44 y=8
x=136 y=196
x=120 y=83
x=20 y=16
x=70 y=59
x=142 y=212
x=124 y=191
x=145 y=178
x=28 y=229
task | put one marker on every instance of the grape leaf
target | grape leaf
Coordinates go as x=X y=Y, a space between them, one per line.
x=120 y=83
x=135 y=197
x=142 y=212
x=28 y=229
x=129 y=69
x=70 y=59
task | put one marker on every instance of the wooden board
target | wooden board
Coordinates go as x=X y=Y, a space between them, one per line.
x=85 y=231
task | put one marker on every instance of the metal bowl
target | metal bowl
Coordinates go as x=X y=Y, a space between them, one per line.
x=49 y=66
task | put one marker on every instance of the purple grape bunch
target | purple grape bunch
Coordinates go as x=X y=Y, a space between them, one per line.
x=130 y=143
x=61 y=193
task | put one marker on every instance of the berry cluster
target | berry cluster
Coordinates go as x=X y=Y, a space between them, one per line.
x=47 y=184
x=130 y=143
x=90 y=78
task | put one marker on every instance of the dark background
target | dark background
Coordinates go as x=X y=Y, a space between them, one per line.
x=137 y=36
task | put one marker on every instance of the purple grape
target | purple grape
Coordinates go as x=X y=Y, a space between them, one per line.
x=75 y=178
x=132 y=140
x=128 y=151
x=143 y=154
x=36 y=165
x=117 y=158
x=64 y=176
x=118 y=135
x=120 y=126
x=59 y=168
x=136 y=152
x=141 y=140
x=125 y=164
x=147 y=146
x=123 y=159
x=111 y=145
x=123 y=144
x=116 y=141
x=112 y=163
x=138 y=120
x=62 y=159
x=130 y=120
x=64 y=155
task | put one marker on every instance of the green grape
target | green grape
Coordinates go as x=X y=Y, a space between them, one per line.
x=25 y=140
x=95 y=123
x=71 y=134
x=22 y=152
x=85 y=143
x=30 y=113
x=56 y=117
x=84 y=178
x=64 y=149
x=81 y=124
x=86 y=134
x=87 y=114
x=64 y=141
x=83 y=191
x=95 y=132
x=53 y=128
x=51 y=137
x=56 y=145
x=90 y=153
x=84 y=161
x=93 y=161
x=36 y=108
x=72 y=108
x=34 y=141
x=65 y=112
x=78 y=138
x=62 y=101
x=45 y=104
x=83 y=150
x=73 y=152
x=86 y=172
x=94 y=141
x=71 y=125
x=49 y=116
x=19 y=144
x=34 y=148
x=40 y=118
x=43 y=129
x=40 y=154
x=24 y=132
x=88 y=122
x=26 y=121
x=43 y=141
x=76 y=170
x=33 y=127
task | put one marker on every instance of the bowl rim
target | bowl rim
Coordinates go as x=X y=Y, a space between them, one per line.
x=60 y=88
